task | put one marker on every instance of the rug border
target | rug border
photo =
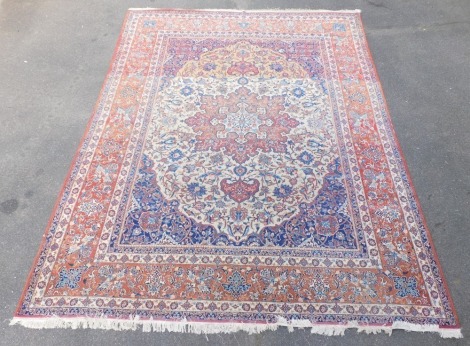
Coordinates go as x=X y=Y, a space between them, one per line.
x=228 y=327
x=68 y=176
x=409 y=178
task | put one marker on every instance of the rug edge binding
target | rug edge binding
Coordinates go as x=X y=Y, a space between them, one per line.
x=241 y=10
x=184 y=326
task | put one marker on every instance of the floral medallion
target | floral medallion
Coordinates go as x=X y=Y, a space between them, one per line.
x=236 y=152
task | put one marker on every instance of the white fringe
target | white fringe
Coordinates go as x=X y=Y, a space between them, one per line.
x=184 y=326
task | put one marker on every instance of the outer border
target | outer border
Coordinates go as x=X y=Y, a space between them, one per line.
x=198 y=327
x=73 y=165
x=408 y=175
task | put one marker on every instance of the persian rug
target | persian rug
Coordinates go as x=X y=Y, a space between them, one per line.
x=239 y=172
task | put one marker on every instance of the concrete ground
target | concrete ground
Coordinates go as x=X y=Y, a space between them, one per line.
x=53 y=59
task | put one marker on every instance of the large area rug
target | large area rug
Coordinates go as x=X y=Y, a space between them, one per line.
x=239 y=172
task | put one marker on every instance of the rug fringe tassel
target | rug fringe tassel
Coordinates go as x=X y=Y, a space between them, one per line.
x=184 y=326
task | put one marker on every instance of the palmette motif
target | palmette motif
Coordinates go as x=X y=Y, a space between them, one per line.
x=240 y=167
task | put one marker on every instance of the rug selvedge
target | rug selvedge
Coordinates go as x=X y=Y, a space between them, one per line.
x=240 y=168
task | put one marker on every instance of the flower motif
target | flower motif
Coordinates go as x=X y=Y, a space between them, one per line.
x=276 y=67
x=176 y=155
x=243 y=81
x=169 y=141
x=388 y=213
x=283 y=191
x=90 y=207
x=298 y=92
x=186 y=91
x=70 y=278
x=236 y=284
x=339 y=27
x=320 y=287
x=217 y=158
x=307 y=171
x=196 y=190
x=209 y=66
x=264 y=159
x=258 y=205
x=220 y=204
x=154 y=282
x=406 y=286
x=305 y=157
x=240 y=170
x=326 y=225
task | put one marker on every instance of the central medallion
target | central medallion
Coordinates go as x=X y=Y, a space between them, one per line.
x=242 y=124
